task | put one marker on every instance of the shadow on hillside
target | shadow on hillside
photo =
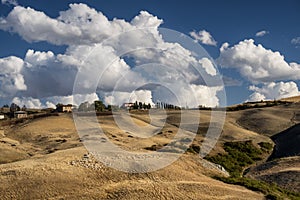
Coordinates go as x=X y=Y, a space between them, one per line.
x=286 y=143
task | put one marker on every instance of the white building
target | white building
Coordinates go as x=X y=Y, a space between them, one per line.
x=127 y=105
x=20 y=114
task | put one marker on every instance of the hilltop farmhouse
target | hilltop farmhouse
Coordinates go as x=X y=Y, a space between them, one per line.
x=20 y=114
x=64 y=108
x=127 y=105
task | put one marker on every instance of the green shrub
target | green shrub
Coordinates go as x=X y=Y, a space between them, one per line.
x=240 y=155
x=271 y=191
x=265 y=146
x=194 y=149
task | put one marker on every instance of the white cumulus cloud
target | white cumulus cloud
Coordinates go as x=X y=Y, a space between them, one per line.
x=204 y=37
x=206 y=95
x=75 y=99
x=11 y=78
x=50 y=102
x=29 y=102
x=39 y=58
x=146 y=20
x=256 y=96
x=36 y=26
x=78 y=25
x=118 y=98
x=208 y=66
x=274 y=90
x=256 y=63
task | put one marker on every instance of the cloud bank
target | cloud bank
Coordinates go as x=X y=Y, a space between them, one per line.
x=256 y=63
x=261 y=66
x=99 y=50
x=11 y=78
x=121 y=61
x=274 y=90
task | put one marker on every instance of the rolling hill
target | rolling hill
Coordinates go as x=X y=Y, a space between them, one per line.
x=45 y=158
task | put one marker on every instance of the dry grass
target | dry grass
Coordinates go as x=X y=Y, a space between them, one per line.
x=44 y=159
x=51 y=166
x=53 y=177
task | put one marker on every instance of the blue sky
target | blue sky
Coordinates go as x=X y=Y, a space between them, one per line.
x=226 y=21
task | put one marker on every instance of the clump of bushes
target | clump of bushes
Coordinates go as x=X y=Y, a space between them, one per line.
x=240 y=155
x=271 y=191
x=266 y=146
x=194 y=149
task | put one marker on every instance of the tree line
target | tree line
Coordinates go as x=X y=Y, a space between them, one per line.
x=163 y=105
x=98 y=106
x=141 y=105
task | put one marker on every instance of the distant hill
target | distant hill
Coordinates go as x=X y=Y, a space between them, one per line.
x=292 y=99
x=271 y=120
